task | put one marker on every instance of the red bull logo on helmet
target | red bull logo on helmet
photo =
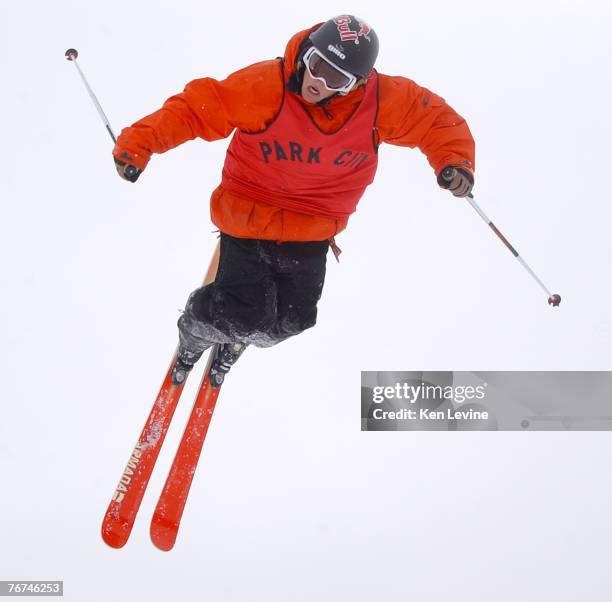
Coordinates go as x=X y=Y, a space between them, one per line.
x=346 y=33
x=349 y=35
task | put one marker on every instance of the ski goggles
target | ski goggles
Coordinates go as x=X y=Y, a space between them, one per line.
x=331 y=76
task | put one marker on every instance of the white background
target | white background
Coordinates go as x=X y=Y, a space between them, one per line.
x=291 y=501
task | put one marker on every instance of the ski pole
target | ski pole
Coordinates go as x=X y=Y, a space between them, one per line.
x=553 y=299
x=71 y=55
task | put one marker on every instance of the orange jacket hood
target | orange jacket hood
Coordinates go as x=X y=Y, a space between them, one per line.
x=292 y=49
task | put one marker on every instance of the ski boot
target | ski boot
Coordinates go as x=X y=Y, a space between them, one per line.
x=227 y=354
x=185 y=361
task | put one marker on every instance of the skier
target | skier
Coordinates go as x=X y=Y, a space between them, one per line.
x=307 y=129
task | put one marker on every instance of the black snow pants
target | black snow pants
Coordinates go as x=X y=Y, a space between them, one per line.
x=264 y=292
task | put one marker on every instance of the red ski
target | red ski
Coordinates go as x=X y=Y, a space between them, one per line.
x=169 y=509
x=121 y=514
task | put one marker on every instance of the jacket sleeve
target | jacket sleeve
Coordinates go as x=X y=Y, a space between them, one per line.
x=413 y=116
x=209 y=109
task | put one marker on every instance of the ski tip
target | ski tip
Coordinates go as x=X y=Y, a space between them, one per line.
x=163 y=534
x=114 y=540
x=115 y=532
x=164 y=546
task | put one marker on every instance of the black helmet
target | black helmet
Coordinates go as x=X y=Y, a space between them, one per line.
x=347 y=41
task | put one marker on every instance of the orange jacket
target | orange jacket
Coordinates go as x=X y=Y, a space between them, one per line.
x=409 y=115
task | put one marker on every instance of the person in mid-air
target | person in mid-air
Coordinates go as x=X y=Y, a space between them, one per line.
x=307 y=128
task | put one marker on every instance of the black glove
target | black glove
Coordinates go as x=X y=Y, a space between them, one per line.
x=126 y=171
x=456 y=179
